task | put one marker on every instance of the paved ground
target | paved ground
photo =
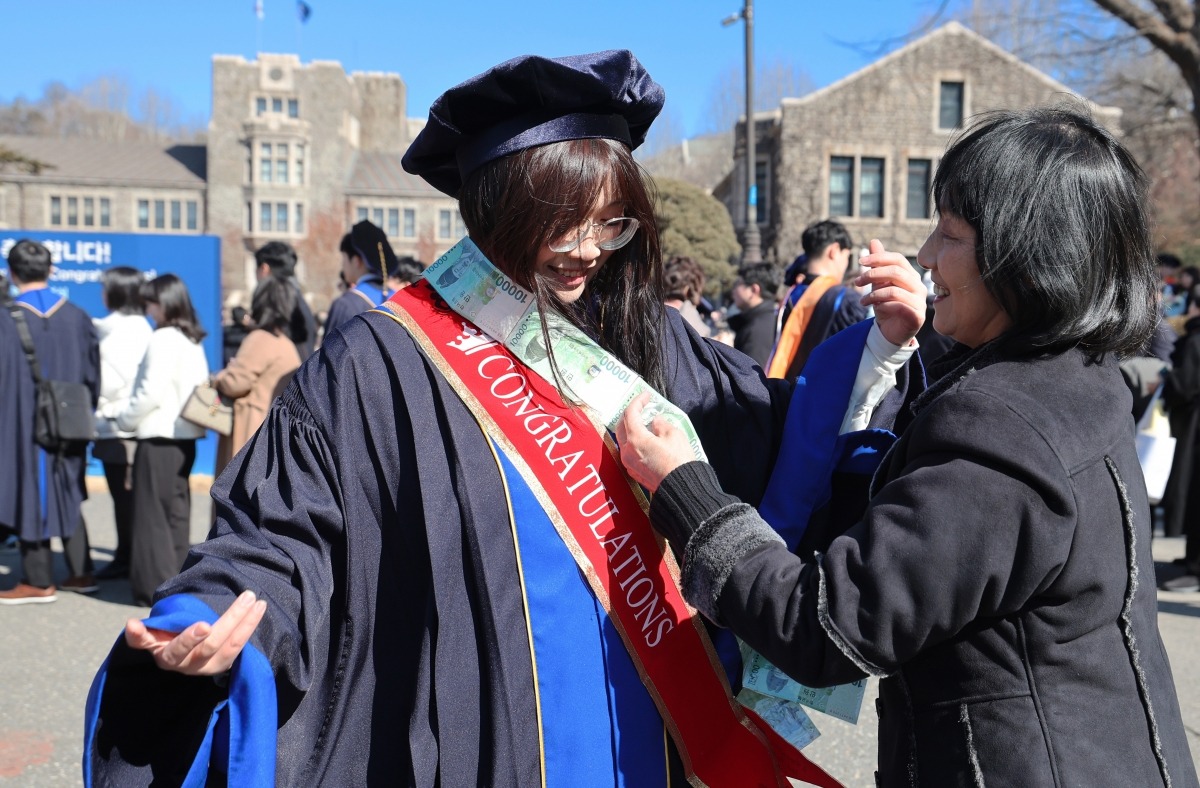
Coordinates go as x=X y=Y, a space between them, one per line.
x=50 y=652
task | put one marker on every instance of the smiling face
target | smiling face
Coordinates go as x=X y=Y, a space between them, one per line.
x=964 y=309
x=568 y=273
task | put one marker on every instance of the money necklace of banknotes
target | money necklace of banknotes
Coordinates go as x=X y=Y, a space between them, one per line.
x=589 y=375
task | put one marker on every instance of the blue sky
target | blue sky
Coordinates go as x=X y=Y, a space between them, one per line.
x=433 y=44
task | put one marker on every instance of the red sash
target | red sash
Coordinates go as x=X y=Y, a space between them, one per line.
x=573 y=470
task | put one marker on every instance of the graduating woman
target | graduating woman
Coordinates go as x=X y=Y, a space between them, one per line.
x=428 y=566
x=999 y=580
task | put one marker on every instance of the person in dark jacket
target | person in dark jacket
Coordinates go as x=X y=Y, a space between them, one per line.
x=998 y=579
x=754 y=324
x=1182 y=499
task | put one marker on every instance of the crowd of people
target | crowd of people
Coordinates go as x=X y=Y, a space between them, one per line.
x=140 y=363
x=530 y=518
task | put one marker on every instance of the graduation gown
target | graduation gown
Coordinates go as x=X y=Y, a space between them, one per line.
x=367 y=293
x=370 y=513
x=40 y=493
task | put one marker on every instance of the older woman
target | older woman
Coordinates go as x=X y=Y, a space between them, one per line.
x=996 y=578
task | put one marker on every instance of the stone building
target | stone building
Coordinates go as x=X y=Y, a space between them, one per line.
x=864 y=149
x=294 y=152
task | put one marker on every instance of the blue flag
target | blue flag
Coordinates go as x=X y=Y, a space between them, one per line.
x=303 y=10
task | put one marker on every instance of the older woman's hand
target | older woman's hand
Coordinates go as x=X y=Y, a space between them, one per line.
x=897 y=293
x=650 y=452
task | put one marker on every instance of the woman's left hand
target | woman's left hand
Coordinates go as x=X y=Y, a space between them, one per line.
x=897 y=293
x=650 y=452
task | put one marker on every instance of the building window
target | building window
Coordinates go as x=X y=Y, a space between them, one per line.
x=870 y=189
x=410 y=223
x=56 y=210
x=176 y=215
x=917 y=194
x=277 y=106
x=144 y=214
x=300 y=165
x=264 y=217
x=260 y=106
x=160 y=214
x=950 y=105
x=300 y=218
x=105 y=212
x=293 y=108
x=443 y=224
x=393 y=227
x=193 y=211
x=377 y=217
x=281 y=217
x=841 y=185
x=249 y=217
x=73 y=211
x=460 y=229
x=762 y=205
x=265 y=163
x=89 y=212
x=281 y=162
x=361 y=214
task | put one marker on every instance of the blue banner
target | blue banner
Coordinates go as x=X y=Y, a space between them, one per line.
x=80 y=259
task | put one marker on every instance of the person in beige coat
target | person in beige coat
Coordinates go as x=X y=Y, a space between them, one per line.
x=262 y=368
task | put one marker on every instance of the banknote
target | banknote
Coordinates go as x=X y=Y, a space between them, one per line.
x=787 y=719
x=586 y=373
x=843 y=701
x=477 y=290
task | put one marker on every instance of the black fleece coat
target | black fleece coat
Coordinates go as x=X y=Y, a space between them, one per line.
x=1000 y=581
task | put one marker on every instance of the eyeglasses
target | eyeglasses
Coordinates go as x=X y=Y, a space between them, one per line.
x=610 y=235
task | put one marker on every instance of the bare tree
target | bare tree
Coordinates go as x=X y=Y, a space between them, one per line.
x=1142 y=56
x=773 y=82
x=1170 y=26
x=99 y=109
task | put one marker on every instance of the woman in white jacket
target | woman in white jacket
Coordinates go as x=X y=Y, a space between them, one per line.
x=124 y=335
x=173 y=365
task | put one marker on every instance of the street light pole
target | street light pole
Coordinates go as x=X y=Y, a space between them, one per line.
x=751 y=245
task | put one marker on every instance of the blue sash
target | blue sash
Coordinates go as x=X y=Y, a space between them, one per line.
x=371 y=291
x=812 y=451
x=240 y=740
x=600 y=726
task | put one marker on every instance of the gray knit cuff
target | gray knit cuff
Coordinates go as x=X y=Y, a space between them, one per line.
x=715 y=549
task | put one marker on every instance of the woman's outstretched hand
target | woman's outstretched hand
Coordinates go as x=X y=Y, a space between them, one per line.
x=897 y=293
x=650 y=452
x=201 y=649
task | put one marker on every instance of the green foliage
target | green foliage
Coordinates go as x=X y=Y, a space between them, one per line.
x=1189 y=254
x=21 y=162
x=693 y=223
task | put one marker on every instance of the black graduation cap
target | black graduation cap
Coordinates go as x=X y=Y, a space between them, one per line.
x=373 y=248
x=530 y=101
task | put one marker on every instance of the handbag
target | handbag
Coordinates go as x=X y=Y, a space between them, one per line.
x=64 y=412
x=1155 y=447
x=208 y=408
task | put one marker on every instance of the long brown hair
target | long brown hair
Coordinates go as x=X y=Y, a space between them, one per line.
x=514 y=206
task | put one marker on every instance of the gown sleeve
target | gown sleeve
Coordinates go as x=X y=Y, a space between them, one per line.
x=737 y=411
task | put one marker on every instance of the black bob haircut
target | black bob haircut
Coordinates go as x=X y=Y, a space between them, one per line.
x=122 y=290
x=1063 y=243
